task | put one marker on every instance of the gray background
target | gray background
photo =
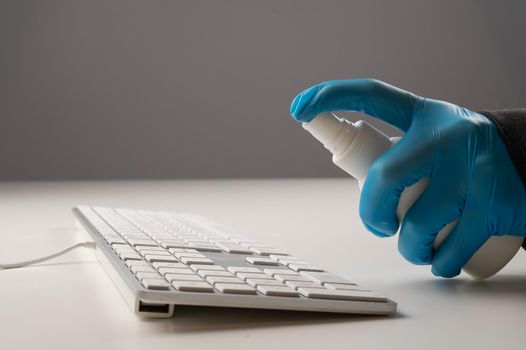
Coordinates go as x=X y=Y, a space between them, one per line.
x=194 y=89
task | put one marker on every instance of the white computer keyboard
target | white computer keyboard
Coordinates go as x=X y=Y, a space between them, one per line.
x=160 y=259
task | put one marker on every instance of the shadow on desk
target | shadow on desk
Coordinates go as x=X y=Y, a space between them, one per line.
x=505 y=285
x=198 y=319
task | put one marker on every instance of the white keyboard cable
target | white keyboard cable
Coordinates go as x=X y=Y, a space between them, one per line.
x=85 y=244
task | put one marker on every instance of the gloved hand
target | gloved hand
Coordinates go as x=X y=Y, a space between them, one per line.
x=471 y=174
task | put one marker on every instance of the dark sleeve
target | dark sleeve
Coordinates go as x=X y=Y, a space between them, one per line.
x=511 y=124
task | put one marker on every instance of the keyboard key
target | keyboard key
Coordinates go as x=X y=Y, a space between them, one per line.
x=129 y=230
x=141 y=248
x=155 y=252
x=179 y=277
x=115 y=240
x=159 y=258
x=287 y=262
x=122 y=248
x=284 y=257
x=303 y=284
x=205 y=247
x=188 y=255
x=182 y=271
x=165 y=270
x=192 y=286
x=202 y=261
x=195 y=241
x=260 y=261
x=137 y=263
x=266 y=251
x=158 y=265
x=173 y=244
x=267 y=282
x=205 y=273
x=244 y=276
x=160 y=238
x=136 y=269
x=187 y=234
x=142 y=275
x=155 y=284
x=197 y=267
x=231 y=288
x=187 y=237
x=134 y=236
x=236 y=269
x=301 y=267
x=156 y=232
x=161 y=235
x=246 y=240
x=272 y=272
x=279 y=291
x=324 y=277
x=182 y=250
x=339 y=294
x=142 y=242
x=221 y=279
x=234 y=248
x=285 y=278
x=345 y=286
x=127 y=255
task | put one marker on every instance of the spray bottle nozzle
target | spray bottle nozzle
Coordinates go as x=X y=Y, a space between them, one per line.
x=329 y=129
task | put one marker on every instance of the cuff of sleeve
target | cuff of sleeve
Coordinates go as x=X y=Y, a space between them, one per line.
x=512 y=125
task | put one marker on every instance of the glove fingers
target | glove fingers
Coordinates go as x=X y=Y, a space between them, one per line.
x=459 y=246
x=437 y=206
x=400 y=167
x=373 y=97
x=472 y=229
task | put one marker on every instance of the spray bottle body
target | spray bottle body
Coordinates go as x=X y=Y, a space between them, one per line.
x=355 y=147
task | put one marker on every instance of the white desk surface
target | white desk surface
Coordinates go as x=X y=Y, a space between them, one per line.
x=69 y=303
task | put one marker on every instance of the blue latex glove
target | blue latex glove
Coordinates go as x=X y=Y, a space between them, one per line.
x=471 y=174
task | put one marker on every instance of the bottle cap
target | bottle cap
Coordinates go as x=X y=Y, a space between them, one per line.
x=354 y=146
x=331 y=131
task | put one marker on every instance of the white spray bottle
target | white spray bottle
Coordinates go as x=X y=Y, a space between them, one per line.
x=355 y=146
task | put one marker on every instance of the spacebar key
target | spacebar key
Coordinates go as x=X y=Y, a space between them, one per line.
x=338 y=294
